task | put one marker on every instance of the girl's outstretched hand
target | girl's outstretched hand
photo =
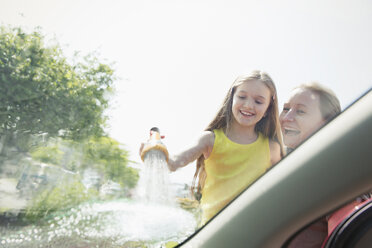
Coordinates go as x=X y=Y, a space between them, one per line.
x=202 y=147
x=143 y=144
x=141 y=148
x=171 y=165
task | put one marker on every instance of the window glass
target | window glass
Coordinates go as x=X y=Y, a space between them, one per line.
x=82 y=83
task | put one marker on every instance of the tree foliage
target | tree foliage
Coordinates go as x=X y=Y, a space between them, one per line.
x=42 y=93
x=53 y=109
x=105 y=154
x=102 y=154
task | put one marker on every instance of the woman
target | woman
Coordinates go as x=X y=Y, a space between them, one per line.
x=309 y=107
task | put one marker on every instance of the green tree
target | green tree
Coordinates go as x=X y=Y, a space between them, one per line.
x=53 y=109
x=41 y=92
x=105 y=155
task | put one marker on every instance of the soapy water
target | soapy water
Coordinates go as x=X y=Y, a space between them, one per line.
x=109 y=224
x=150 y=219
x=153 y=184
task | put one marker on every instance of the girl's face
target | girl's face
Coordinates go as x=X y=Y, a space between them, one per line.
x=250 y=102
x=300 y=117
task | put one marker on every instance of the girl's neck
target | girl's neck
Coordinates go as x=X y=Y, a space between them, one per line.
x=241 y=134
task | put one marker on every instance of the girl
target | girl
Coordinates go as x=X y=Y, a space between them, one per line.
x=238 y=146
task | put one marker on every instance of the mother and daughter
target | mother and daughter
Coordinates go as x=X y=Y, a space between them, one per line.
x=245 y=139
x=241 y=142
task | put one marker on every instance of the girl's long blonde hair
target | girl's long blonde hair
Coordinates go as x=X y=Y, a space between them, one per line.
x=268 y=126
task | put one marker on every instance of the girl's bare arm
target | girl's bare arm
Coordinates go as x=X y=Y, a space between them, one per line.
x=274 y=152
x=203 y=146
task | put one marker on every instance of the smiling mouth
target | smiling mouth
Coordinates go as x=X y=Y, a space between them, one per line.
x=291 y=132
x=247 y=114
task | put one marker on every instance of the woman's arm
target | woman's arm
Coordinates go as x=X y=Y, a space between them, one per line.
x=275 y=156
x=203 y=146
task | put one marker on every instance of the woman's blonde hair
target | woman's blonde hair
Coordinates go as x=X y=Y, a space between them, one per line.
x=268 y=125
x=329 y=105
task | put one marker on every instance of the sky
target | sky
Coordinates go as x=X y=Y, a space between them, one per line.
x=176 y=59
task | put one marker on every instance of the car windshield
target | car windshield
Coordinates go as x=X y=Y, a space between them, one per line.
x=83 y=82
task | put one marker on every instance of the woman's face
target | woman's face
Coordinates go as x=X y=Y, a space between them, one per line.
x=300 y=117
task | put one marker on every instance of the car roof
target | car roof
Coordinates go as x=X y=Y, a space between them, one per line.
x=331 y=168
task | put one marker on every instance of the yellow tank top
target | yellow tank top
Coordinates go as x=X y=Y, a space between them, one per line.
x=230 y=168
